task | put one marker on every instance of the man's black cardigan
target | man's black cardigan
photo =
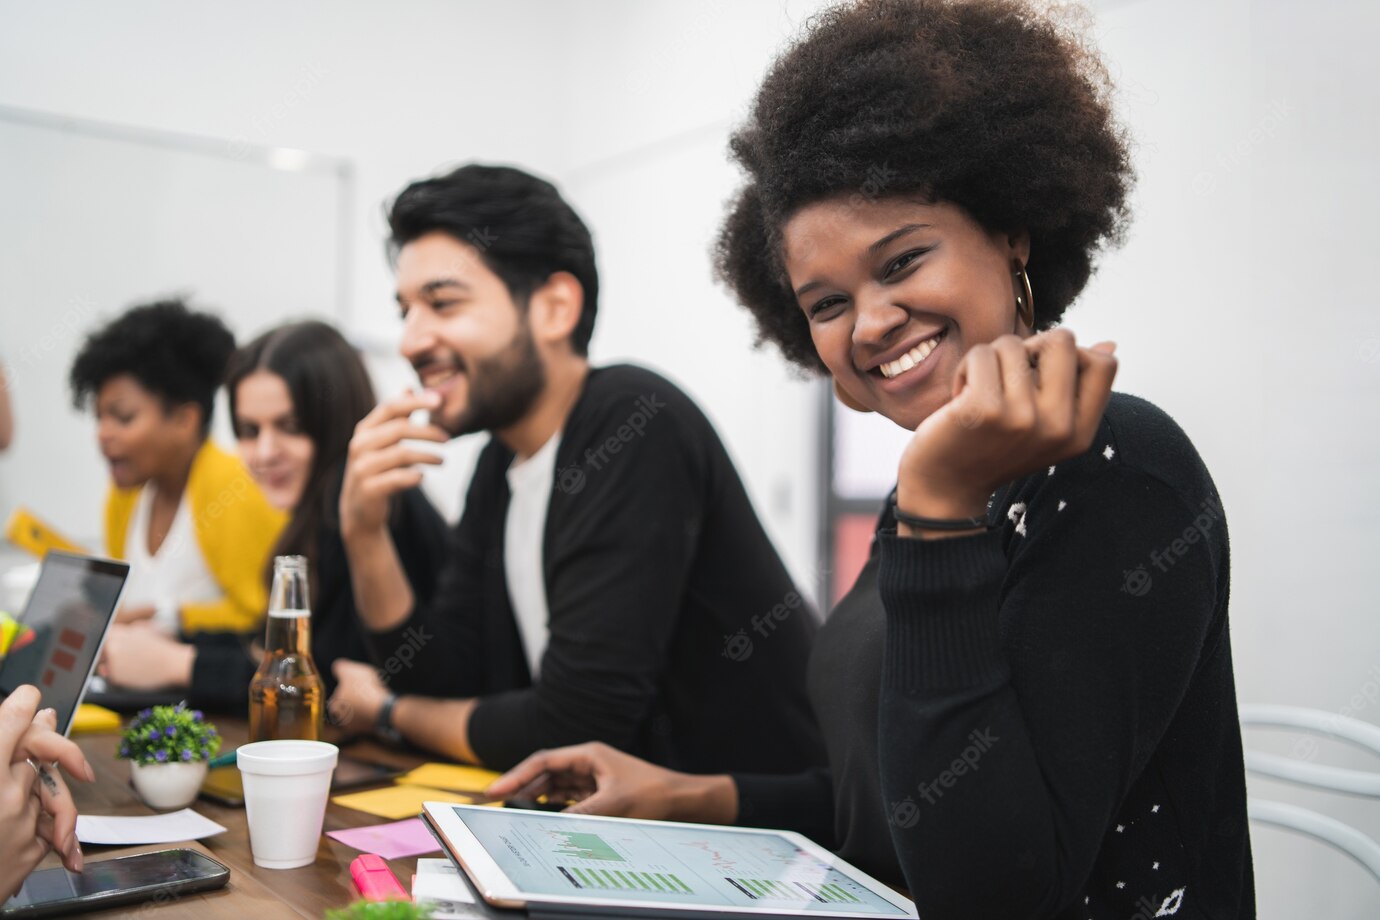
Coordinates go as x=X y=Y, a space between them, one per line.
x=675 y=631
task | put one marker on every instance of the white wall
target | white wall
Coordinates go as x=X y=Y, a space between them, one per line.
x=649 y=128
x=1242 y=301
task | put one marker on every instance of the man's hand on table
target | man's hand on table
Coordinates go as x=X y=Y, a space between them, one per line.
x=140 y=657
x=358 y=697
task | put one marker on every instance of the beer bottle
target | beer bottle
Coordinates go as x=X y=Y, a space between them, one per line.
x=286 y=695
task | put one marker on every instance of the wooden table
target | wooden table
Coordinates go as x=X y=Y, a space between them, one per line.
x=261 y=894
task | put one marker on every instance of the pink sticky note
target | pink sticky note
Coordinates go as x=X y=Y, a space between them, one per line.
x=391 y=841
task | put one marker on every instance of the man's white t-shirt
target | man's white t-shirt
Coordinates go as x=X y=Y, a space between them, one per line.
x=530 y=483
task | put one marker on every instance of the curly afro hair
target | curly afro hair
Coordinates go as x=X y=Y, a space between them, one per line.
x=176 y=354
x=992 y=105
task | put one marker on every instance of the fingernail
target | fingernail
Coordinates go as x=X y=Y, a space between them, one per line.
x=90 y=773
x=76 y=854
x=431 y=398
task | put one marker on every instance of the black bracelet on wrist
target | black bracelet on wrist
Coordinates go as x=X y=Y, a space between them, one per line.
x=383 y=725
x=924 y=523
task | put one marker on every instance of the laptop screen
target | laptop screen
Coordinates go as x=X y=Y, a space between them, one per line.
x=65 y=622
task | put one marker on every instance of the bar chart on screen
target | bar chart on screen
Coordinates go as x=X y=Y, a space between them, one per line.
x=670 y=865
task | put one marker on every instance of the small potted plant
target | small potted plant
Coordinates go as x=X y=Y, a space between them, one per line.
x=168 y=748
x=380 y=910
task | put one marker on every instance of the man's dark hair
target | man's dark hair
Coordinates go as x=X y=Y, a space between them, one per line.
x=987 y=104
x=521 y=227
x=175 y=353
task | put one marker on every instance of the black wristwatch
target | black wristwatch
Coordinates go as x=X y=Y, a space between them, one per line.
x=383 y=725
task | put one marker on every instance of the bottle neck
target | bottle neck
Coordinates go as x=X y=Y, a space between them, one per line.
x=288 y=632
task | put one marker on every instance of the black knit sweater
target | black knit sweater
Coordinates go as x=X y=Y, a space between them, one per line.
x=1059 y=733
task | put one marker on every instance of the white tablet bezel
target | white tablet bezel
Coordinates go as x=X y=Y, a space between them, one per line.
x=494 y=885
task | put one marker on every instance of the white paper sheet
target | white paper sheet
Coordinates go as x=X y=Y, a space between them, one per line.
x=170 y=828
x=438 y=886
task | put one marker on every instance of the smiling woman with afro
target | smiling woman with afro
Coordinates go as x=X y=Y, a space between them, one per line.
x=1027 y=695
x=989 y=105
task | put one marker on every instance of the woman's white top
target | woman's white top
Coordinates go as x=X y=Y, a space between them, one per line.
x=175 y=575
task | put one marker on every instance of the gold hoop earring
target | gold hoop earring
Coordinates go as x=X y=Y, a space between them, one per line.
x=1025 y=299
x=842 y=395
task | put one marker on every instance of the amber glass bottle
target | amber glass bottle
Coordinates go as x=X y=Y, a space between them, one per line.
x=286 y=695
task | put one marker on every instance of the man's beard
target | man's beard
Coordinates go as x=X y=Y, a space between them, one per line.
x=502 y=388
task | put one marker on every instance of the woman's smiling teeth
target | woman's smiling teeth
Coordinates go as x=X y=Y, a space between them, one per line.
x=911 y=358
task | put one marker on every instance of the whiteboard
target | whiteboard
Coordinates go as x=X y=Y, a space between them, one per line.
x=96 y=218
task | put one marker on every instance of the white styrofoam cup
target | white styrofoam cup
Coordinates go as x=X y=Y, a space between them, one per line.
x=286 y=784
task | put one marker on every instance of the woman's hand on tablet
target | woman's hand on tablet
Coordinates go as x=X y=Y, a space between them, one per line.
x=601 y=780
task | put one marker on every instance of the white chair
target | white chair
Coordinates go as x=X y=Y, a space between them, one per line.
x=1332 y=779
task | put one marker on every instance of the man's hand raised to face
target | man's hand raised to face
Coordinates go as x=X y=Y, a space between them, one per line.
x=380 y=464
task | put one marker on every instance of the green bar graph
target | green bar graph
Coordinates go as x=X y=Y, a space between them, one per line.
x=767 y=888
x=841 y=895
x=830 y=892
x=627 y=880
x=585 y=846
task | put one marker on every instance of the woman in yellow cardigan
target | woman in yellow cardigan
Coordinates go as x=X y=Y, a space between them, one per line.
x=186 y=515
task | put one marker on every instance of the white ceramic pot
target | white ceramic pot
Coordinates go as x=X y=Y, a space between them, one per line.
x=168 y=785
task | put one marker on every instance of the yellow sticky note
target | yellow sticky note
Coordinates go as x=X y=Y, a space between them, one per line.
x=451 y=776
x=402 y=801
x=30 y=532
x=95 y=720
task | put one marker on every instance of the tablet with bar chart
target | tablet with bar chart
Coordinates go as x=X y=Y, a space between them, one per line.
x=522 y=858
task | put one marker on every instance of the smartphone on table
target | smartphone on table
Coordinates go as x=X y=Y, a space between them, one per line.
x=224 y=786
x=155 y=878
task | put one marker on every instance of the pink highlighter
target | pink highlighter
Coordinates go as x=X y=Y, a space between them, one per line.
x=375 y=881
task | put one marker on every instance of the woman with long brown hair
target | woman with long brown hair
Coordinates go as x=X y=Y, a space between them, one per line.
x=296 y=394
